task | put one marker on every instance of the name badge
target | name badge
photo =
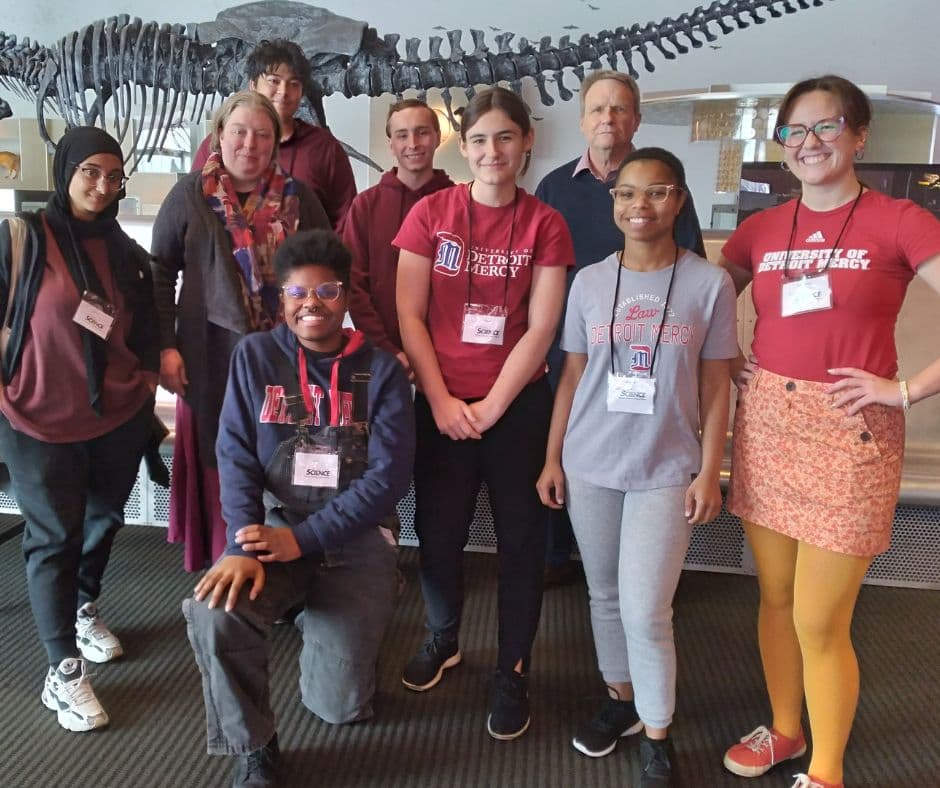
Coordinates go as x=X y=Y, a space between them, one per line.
x=95 y=314
x=629 y=394
x=809 y=294
x=316 y=469
x=483 y=324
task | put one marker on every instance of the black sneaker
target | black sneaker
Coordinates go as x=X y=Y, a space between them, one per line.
x=599 y=736
x=509 y=706
x=258 y=768
x=428 y=665
x=655 y=768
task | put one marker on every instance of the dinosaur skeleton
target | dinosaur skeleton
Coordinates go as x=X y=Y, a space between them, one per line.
x=158 y=74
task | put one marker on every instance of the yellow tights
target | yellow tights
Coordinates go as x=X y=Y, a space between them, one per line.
x=807 y=597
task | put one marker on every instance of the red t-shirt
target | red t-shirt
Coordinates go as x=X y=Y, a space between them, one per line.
x=47 y=398
x=882 y=246
x=437 y=228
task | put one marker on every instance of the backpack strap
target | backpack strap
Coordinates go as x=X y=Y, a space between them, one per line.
x=17 y=242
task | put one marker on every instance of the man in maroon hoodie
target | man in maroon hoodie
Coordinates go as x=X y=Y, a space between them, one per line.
x=280 y=71
x=373 y=220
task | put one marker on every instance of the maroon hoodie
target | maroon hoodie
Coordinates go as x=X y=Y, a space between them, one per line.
x=312 y=155
x=374 y=219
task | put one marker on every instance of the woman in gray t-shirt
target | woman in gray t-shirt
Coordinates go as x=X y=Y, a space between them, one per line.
x=637 y=435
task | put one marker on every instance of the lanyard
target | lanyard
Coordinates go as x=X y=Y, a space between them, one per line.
x=832 y=251
x=512 y=227
x=335 y=396
x=613 y=312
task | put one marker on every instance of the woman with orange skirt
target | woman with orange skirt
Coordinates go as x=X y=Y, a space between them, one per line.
x=819 y=428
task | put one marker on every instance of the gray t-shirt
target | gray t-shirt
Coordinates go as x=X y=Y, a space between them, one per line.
x=630 y=451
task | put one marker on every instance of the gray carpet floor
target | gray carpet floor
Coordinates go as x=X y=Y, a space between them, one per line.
x=438 y=738
x=11 y=526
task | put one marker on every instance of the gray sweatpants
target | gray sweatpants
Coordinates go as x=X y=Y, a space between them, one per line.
x=633 y=545
x=348 y=598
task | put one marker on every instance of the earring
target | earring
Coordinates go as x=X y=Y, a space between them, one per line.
x=859 y=154
x=784 y=167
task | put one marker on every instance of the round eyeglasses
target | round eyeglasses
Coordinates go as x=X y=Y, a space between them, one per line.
x=792 y=135
x=93 y=175
x=325 y=291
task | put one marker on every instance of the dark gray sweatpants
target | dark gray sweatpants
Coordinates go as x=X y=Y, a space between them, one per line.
x=72 y=497
x=348 y=598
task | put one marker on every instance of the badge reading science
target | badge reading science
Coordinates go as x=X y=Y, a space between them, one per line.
x=449 y=254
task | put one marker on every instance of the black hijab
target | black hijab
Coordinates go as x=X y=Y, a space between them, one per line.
x=78 y=144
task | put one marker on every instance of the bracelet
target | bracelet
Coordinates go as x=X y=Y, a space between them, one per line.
x=905 y=397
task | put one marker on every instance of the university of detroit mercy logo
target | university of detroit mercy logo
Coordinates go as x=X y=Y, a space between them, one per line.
x=449 y=254
x=640 y=356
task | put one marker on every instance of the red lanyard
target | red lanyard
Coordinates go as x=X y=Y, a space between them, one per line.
x=305 y=387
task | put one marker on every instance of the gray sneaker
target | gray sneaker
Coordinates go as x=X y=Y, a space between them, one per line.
x=67 y=691
x=96 y=642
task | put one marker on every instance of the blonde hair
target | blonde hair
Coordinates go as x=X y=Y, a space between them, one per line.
x=251 y=100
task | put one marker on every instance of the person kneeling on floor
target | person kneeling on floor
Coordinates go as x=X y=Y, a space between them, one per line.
x=315 y=448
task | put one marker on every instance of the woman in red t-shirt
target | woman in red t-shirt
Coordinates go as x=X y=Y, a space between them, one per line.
x=481 y=280
x=819 y=428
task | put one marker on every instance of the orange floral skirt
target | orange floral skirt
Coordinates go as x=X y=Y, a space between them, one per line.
x=809 y=471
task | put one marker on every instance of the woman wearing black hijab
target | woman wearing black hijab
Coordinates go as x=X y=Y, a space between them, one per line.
x=79 y=373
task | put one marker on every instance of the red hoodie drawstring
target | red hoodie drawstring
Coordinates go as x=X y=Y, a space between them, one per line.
x=356 y=341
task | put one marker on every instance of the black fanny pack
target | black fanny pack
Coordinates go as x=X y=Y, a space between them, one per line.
x=349 y=441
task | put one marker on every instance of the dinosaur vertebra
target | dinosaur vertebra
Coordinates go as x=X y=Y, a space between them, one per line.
x=151 y=72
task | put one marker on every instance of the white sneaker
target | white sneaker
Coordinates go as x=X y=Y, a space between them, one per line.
x=93 y=638
x=68 y=692
x=805 y=781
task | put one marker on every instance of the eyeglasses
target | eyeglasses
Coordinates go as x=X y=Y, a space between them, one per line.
x=792 y=135
x=655 y=194
x=325 y=291
x=92 y=175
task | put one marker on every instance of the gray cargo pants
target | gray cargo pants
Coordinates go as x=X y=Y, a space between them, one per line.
x=348 y=598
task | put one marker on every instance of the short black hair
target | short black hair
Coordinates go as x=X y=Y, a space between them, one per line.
x=657 y=154
x=313 y=247
x=268 y=55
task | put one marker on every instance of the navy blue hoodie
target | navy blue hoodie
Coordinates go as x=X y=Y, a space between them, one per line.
x=254 y=422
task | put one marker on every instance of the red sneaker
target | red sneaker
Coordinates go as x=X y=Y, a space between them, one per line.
x=761 y=750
